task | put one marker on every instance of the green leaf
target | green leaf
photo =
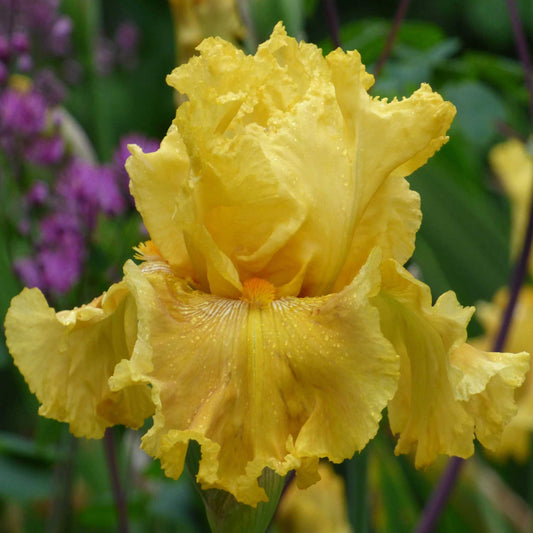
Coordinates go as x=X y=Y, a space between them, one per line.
x=24 y=481
x=225 y=513
x=479 y=110
x=267 y=13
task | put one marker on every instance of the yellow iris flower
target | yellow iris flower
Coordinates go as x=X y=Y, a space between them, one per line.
x=514 y=166
x=271 y=319
x=195 y=20
x=319 y=508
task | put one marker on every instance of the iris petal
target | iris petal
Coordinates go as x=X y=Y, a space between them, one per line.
x=68 y=357
x=270 y=386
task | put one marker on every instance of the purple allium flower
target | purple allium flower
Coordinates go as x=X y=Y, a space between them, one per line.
x=22 y=112
x=59 y=38
x=105 y=56
x=4 y=48
x=127 y=43
x=50 y=86
x=20 y=42
x=24 y=226
x=51 y=270
x=88 y=190
x=4 y=73
x=24 y=63
x=45 y=150
x=37 y=194
x=28 y=271
x=61 y=229
x=61 y=269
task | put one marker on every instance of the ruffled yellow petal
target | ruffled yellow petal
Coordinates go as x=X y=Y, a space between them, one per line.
x=67 y=358
x=514 y=166
x=270 y=146
x=486 y=384
x=320 y=508
x=156 y=179
x=447 y=390
x=516 y=438
x=258 y=384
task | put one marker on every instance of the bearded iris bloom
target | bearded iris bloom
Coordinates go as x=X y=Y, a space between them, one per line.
x=271 y=319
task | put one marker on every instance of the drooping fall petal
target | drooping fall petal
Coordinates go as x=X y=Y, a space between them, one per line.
x=258 y=384
x=68 y=357
x=447 y=390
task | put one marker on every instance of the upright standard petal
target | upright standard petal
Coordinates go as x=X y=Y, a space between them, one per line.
x=260 y=383
x=68 y=357
x=447 y=389
x=275 y=143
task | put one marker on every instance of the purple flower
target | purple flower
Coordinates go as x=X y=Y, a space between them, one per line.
x=24 y=63
x=22 y=112
x=60 y=229
x=50 y=86
x=127 y=43
x=20 y=42
x=45 y=150
x=4 y=74
x=37 y=194
x=58 y=261
x=29 y=272
x=59 y=39
x=88 y=190
x=61 y=269
x=4 y=48
x=51 y=270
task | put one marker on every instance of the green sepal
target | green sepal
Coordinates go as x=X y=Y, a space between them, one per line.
x=224 y=513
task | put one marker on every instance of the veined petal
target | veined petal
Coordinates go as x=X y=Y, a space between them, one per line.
x=275 y=385
x=445 y=387
x=67 y=358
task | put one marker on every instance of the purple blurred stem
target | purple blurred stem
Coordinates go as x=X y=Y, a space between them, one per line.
x=403 y=6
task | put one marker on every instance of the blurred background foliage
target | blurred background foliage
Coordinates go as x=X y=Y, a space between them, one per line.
x=465 y=50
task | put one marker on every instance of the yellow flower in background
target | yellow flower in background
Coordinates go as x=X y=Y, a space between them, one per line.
x=516 y=438
x=514 y=167
x=194 y=20
x=271 y=317
x=318 y=509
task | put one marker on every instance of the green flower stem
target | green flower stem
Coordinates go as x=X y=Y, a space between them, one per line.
x=224 y=513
